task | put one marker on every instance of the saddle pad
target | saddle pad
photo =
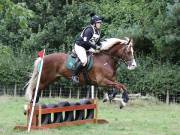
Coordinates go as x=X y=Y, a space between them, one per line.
x=72 y=62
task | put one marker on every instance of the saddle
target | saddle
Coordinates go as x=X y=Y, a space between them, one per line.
x=73 y=61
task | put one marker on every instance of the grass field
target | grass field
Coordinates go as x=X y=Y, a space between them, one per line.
x=139 y=118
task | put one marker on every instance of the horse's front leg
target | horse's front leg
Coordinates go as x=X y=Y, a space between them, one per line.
x=116 y=85
x=120 y=87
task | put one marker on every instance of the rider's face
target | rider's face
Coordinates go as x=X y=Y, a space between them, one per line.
x=98 y=25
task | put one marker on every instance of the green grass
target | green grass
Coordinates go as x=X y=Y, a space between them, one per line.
x=139 y=118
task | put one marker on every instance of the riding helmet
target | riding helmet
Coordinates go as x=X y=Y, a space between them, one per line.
x=95 y=19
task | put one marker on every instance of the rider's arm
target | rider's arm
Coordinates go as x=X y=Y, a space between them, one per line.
x=89 y=44
x=98 y=42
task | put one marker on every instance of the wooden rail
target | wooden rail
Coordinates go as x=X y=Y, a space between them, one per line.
x=39 y=112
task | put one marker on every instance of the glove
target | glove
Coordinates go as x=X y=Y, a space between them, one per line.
x=98 y=47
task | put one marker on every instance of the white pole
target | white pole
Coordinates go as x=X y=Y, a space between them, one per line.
x=92 y=91
x=35 y=95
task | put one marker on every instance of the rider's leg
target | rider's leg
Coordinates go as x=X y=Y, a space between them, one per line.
x=81 y=53
x=76 y=72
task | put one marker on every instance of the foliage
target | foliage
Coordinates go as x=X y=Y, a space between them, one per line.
x=152 y=77
x=13 y=23
x=12 y=68
x=29 y=26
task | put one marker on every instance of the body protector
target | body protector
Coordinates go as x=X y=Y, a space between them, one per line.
x=89 y=38
x=95 y=36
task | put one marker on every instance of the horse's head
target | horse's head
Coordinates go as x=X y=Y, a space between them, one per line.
x=126 y=53
x=122 y=49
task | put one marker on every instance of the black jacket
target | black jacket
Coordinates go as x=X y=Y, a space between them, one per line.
x=88 y=33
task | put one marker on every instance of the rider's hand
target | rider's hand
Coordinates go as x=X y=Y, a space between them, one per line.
x=98 y=47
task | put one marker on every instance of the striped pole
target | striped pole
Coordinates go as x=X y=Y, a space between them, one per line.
x=36 y=90
x=92 y=91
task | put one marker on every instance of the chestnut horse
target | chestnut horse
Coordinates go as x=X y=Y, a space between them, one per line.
x=103 y=72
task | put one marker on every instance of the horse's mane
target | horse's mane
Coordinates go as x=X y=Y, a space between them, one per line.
x=109 y=42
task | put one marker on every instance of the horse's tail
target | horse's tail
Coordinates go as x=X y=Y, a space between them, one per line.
x=31 y=84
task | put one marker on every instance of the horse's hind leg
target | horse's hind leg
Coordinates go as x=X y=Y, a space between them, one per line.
x=37 y=97
x=41 y=87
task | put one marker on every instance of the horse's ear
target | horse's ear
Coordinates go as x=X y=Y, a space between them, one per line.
x=132 y=42
x=128 y=40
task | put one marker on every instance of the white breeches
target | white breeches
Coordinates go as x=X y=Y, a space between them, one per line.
x=81 y=53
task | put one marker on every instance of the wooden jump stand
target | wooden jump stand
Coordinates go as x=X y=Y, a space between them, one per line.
x=39 y=112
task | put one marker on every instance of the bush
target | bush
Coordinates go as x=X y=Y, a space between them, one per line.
x=12 y=69
x=152 y=77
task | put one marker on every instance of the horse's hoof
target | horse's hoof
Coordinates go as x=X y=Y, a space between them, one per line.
x=25 y=109
x=25 y=112
x=121 y=106
x=75 y=79
x=104 y=100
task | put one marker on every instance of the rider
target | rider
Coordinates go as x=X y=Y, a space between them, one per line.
x=89 y=38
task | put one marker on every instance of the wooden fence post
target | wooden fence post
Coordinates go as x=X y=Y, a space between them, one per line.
x=78 y=92
x=41 y=94
x=70 y=96
x=96 y=94
x=15 y=90
x=4 y=90
x=167 y=97
x=60 y=92
x=50 y=92
x=88 y=92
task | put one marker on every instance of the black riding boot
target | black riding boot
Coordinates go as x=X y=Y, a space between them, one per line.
x=76 y=72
